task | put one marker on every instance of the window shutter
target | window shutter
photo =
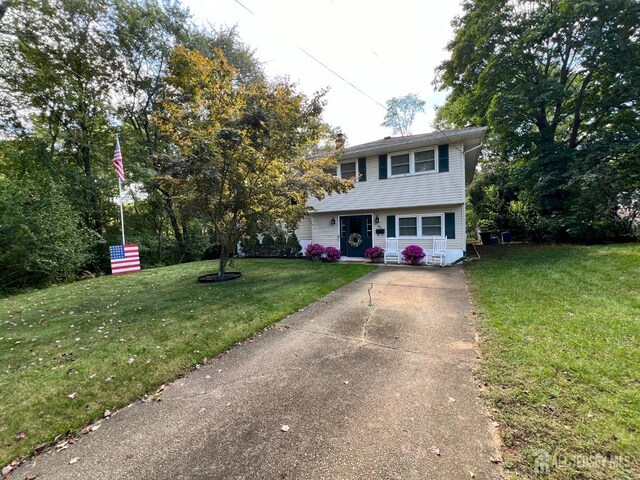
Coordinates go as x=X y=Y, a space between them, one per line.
x=391 y=226
x=382 y=166
x=362 y=169
x=450 y=225
x=443 y=158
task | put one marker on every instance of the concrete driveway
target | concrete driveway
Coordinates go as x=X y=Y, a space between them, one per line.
x=374 y=381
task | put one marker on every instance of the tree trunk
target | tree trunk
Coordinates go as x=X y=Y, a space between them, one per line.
x=95 y=201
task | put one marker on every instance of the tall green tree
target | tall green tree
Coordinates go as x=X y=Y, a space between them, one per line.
x=236 y=152
x=58 y=59
x=557 y=82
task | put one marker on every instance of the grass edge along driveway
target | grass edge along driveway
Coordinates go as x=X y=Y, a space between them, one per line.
x=560 y=339
x=70 y=352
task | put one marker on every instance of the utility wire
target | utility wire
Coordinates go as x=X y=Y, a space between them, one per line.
x=324 y=65
x=341 y=77
x=244 y=6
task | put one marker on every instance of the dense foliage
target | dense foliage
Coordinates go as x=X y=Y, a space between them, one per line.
x=557 y=82
x=73 y=74
x=236 y=154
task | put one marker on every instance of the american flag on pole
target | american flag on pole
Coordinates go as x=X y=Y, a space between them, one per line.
x=124 y=259
x=117 y=161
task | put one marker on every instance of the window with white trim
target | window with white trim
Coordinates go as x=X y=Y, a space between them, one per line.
x=420 y=226
x=348 y=170
x=413 y=162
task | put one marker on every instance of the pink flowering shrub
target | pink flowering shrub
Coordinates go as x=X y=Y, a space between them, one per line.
x=413 y=254
x=331 y=254
x=374 y=252
x=314 y=250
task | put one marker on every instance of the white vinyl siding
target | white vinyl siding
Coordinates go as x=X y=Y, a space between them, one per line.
x=407 y=191
x=303 y=232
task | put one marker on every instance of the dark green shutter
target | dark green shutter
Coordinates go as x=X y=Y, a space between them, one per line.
x=391 y=226
x=382 y=166
x=362 y=169
x=450 y=225
x=443 y=158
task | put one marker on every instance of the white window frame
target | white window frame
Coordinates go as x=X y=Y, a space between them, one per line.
x=418 y=217
x=339 y=171
x=412 y=162
x=441 y=216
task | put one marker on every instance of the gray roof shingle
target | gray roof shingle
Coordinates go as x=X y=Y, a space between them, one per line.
x=391 y=144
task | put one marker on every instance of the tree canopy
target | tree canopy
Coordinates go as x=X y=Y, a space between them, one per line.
x=73 y=74
x=235 y=153
x=557 y=82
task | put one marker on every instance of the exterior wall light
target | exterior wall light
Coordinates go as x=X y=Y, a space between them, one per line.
x=333 y=221
x=377 y=220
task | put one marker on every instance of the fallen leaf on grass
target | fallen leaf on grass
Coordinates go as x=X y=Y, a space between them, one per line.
x=72 y=395
x=107 y=413
x=20 y=435
x=73 y=460
x=131 y=360
x=435 y=450
x=284 y=428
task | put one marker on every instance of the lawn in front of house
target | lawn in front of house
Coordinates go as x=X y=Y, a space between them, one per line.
x=70 y=352
x=560 y=340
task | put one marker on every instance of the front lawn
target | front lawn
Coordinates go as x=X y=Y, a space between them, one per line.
x=560 y=337
x=72 y=351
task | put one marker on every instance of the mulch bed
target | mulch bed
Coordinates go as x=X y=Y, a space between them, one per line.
x=214 y=278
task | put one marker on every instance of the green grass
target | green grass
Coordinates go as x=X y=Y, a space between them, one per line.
x=71 y=338
x=560 y=335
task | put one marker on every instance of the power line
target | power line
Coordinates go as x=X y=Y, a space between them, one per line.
x=244 y=6
x=341 y=77
x=323 y=65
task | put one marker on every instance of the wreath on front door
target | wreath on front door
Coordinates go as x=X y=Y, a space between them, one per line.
x=355 y=239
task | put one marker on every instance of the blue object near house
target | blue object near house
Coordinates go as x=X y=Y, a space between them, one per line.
x=506 y=237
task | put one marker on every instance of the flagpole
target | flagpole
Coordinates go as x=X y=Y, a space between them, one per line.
x=121 y=210
x=120 y=194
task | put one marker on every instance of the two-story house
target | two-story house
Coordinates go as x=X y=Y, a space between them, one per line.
x=411 y=188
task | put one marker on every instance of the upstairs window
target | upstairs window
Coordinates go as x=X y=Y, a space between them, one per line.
x=348 y=170
x=411 y=163
x=400 y=164
x=425 y=161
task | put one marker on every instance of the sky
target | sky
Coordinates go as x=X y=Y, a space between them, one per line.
x=385 y=48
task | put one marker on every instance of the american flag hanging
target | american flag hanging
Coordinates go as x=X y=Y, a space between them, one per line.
x=124 y=259
x=117 y=161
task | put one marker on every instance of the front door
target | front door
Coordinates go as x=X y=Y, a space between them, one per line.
x=355 y=235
